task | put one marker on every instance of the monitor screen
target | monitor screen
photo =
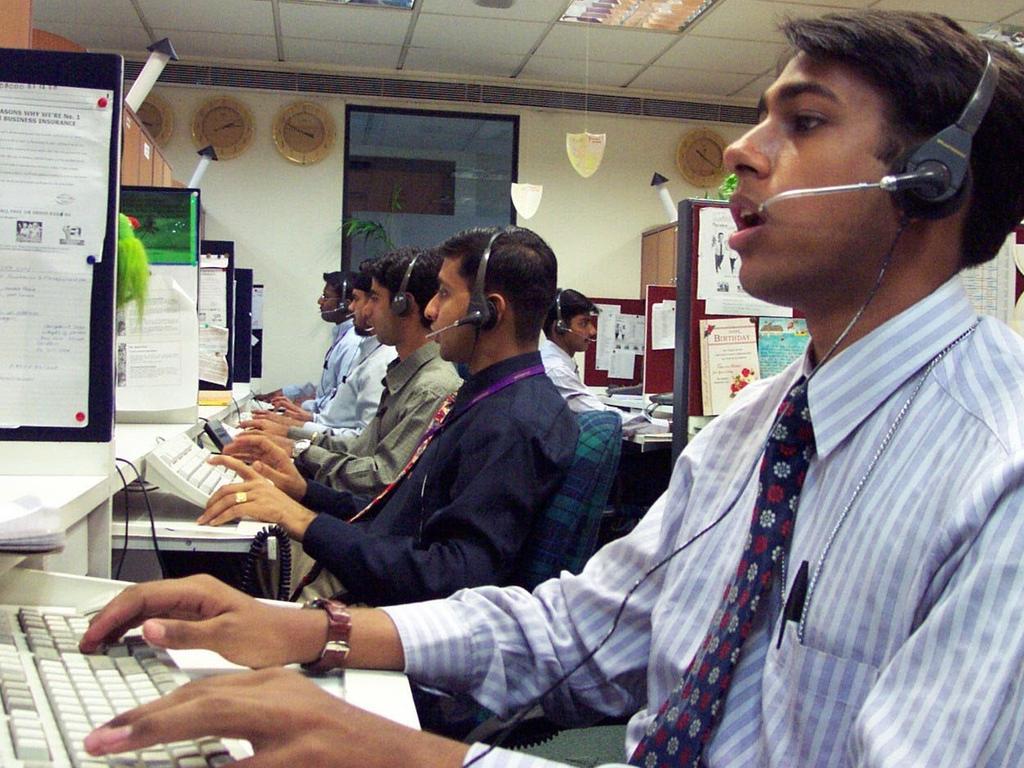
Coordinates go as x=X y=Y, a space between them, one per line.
x=168 y=222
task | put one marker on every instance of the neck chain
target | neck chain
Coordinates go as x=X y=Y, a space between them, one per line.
x=882 y=446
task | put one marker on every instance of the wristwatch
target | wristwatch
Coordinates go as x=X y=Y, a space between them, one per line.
x=300 y=447
x=339 y=627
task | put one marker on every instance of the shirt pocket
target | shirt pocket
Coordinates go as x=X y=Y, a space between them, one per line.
x=811 y=700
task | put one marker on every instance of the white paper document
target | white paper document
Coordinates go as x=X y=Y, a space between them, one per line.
x=213 y=355
x=663 y=325
x=992 y=286
x=158 y=356
x=213 y=287
x=718 y=270
x=27 y=526
x=54 y=170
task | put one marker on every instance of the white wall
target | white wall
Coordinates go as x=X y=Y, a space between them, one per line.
x=285 y=219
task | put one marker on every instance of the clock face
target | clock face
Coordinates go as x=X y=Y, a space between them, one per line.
x=156 y=115
x=225 y=123
x=304 y=132
x=700 y=158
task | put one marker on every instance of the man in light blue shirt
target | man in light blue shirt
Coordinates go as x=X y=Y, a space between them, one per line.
x=334 y=305
x=904 y=648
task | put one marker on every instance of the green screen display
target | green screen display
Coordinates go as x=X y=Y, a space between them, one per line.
x=168 y=222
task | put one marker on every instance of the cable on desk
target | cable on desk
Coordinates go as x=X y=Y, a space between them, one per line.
x=124 y=549
x=256 y=552
x=238 y=411
x=152 y=521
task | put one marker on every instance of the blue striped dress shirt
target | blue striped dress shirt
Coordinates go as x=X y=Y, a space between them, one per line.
x=912 y=648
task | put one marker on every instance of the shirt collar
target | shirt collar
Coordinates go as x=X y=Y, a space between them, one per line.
x=479 y=381
x=400 y=371
x=852 y=386
x=548 y=347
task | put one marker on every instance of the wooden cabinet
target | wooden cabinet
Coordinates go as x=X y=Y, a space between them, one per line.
x=142 y=162
x=657 y=257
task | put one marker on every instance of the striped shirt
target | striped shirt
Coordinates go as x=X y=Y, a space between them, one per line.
x=913 y=640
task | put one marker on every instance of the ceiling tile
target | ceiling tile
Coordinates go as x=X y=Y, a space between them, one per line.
x=752 y=91
x=752 y=19
x=463 y=61
x=355 y=55
x=574 y=71
x=358 y=24
x=1017 y=19
x=213 y=45
x=832 y=4
x=117 y=13
x=434 y=31
x=104 y=37
x=251 y=17
x=690 y=81
x=975 y=10
x=522 y=10
x=628 y=46
x=694 y=52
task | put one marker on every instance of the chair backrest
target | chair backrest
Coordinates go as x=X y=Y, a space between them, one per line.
x=564 y=536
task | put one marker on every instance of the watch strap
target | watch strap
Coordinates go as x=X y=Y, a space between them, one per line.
x=339 y=628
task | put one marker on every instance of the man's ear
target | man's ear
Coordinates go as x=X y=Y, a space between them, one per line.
x=499 y=305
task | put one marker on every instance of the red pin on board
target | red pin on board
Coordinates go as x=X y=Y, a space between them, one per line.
x=102 y=103
x=80 y=417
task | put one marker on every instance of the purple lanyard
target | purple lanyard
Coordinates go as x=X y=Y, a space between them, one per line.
x=500 y=384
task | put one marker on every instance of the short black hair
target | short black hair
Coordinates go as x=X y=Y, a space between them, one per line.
x=389 y=270
x=361 y=278
x=521 y=267
x=339 y=280
x=572 y=303
x=926 y=66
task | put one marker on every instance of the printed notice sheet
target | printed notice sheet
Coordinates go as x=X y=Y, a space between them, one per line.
x=718 y=270
x=158 y=355
x=54 y=169
x=992 y=286
x=213 y=319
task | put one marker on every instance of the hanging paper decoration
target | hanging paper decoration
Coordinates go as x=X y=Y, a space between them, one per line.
x=585 y=152
x=526 y=198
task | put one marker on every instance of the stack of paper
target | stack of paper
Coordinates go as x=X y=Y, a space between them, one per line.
x=27 y=526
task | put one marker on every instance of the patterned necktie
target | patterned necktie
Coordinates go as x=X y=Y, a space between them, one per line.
x=686 y=720
x=378 y=501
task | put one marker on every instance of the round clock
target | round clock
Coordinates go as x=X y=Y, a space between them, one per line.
x=224 y=122
x=699 y=158
x=304 y=132
x=156 y=115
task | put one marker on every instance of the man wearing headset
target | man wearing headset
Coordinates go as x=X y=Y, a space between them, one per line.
x=462 y=513
x=334 y=308
x=902 y=643
x=569 y=329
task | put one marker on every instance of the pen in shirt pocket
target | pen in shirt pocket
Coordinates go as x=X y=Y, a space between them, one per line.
x=794 y=609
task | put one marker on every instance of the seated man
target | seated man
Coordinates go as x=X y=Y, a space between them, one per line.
x=415 y=385
x=355 y=399
x=834 y=576
x=334 y=303
x=462 y=509
x=569 y=329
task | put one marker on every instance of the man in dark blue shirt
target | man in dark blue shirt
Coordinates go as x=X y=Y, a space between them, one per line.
x=462 y=513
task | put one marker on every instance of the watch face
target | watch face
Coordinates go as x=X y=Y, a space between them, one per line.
x=226 y=124
x=304 y=132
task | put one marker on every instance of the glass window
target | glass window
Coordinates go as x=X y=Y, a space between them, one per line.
x=415 y=178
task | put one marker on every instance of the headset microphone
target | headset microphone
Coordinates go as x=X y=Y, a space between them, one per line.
x=473 y=318
x=932 y=180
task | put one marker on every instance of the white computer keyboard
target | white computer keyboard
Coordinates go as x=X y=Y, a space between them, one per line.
x=260 y=405
x=179 y=466
x=52 y=695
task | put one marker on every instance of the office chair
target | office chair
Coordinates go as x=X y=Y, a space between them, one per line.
x=563 y=538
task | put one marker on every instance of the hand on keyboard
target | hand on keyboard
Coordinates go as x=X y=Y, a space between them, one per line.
x=256 y=498
x=179 y=465
x=271 y=460
x=209 y=614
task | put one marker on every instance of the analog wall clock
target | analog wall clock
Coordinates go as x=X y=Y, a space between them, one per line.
x=700 y=159
x=224 y=122
x=156 y=115
x=304 y=132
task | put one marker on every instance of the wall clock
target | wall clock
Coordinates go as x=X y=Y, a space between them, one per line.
x=699 y=157
x=304 y=132
x=156 y=115
x=224 y=122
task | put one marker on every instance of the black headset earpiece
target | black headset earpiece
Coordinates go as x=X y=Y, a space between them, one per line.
x=481 y=311
x=400 y=300
x=341 y=312
x=560 y=325
x=932 y=179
